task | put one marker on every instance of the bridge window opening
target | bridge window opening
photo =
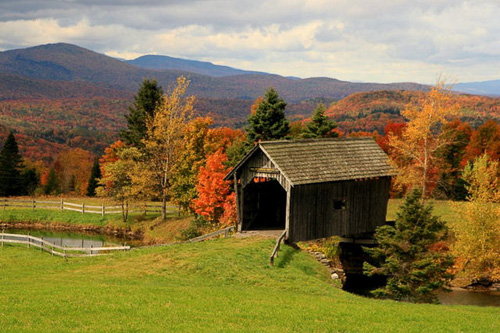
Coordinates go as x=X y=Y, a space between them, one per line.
x=339 y=204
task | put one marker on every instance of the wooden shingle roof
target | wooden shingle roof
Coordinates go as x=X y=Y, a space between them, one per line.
x=325 y=160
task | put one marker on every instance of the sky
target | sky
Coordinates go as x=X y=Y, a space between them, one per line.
x=353 y=40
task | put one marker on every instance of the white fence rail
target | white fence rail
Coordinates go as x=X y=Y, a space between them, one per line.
x=57 y=250
x=82 y=208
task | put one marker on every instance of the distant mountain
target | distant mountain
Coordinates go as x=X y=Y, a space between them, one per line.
x=160 y=62
x=487 y=88
x=75 y=66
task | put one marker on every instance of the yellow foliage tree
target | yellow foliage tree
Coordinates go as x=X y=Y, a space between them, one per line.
x=163 y=143
x=477 y=233
x=415 y=152
x=118 y=178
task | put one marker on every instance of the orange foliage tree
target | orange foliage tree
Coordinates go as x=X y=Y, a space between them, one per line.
x=215 y=202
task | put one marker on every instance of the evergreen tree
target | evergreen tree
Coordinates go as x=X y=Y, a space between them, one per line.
x=407 y=254
x=52 y=185
x=269 y=121
x=95 y=175
x=145 y=102
x=11 y=164
x=31 y=180
x=319 y=126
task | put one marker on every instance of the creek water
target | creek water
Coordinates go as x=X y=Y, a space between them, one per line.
x=76 y=239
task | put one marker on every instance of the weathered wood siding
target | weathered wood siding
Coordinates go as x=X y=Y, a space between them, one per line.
x=312 y=214
x=261 y=161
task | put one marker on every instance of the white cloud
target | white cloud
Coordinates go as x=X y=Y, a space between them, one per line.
x=384 y=41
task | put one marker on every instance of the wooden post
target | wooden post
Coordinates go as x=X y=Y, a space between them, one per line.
x=41 y=244
x=83 y=208
x=91 y=246
x=102 y=210
x=29 y=239
x=33 y=204
x=62 y=205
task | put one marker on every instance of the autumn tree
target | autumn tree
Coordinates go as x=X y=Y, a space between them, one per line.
x=191 y=158
x=213 y=191
x=164 y=141
x=145 y=103
x=117 y=178
x=320 y=125
x=486 y=139
x=50 y=182
x=477 y=231
x=417 y=148
x=405 y=254
x=268 y=122
x=73 y=167
x=451 y=156
x=11 y=165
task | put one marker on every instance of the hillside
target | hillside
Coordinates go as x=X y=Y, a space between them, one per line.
x=221 y=285
x=369 y=111
x=159 y=62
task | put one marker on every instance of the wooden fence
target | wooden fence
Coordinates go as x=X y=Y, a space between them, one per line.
x=57 y=250
x=82 y=208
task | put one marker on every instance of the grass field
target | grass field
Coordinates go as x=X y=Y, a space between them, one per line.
x=442 y=208
x=221 y=285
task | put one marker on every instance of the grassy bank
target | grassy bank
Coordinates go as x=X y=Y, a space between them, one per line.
x=442 y=208
x=221 y=285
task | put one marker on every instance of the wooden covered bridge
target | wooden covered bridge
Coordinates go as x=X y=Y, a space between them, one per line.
x=313 y=188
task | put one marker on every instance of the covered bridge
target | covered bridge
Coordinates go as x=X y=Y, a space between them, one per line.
x=313 y=188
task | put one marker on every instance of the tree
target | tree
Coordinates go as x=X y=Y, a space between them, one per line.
x=486 y=139
x=51 y=183
x=268 y=122
x=73 y=167
x=117 y=181
x=191 y=158
x=213 y=190
x=95 y=175
x=450 y=164
x=417 y=148
x=11 y=164
x=319 y=126
x=164 y=141
x=415 y=271
x=477 y=232
x=145 y=103
x=31 y=180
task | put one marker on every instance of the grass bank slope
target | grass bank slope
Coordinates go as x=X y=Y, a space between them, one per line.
x=221 y=285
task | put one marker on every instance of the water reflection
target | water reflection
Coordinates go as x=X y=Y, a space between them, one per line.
x=75 y=239
x=470 y=297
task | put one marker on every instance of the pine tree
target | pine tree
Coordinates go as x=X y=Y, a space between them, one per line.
x=269 y=121
x=147 y=99
x=319 y=126
x=95 y=175
x=11 y=164
x=415 y=270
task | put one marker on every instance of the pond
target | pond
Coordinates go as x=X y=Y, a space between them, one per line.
x=76 y=239
x=470 y=297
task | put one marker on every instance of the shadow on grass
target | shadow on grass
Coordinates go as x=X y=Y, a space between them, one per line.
x=285 y=256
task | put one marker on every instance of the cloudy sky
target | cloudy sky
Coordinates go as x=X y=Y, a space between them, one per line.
x=354 y=40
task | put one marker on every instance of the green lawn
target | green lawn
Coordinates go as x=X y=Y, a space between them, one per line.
x=220 y=285
x=442 y=208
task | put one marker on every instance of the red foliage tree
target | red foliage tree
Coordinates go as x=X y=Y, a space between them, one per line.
x=214 y=195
